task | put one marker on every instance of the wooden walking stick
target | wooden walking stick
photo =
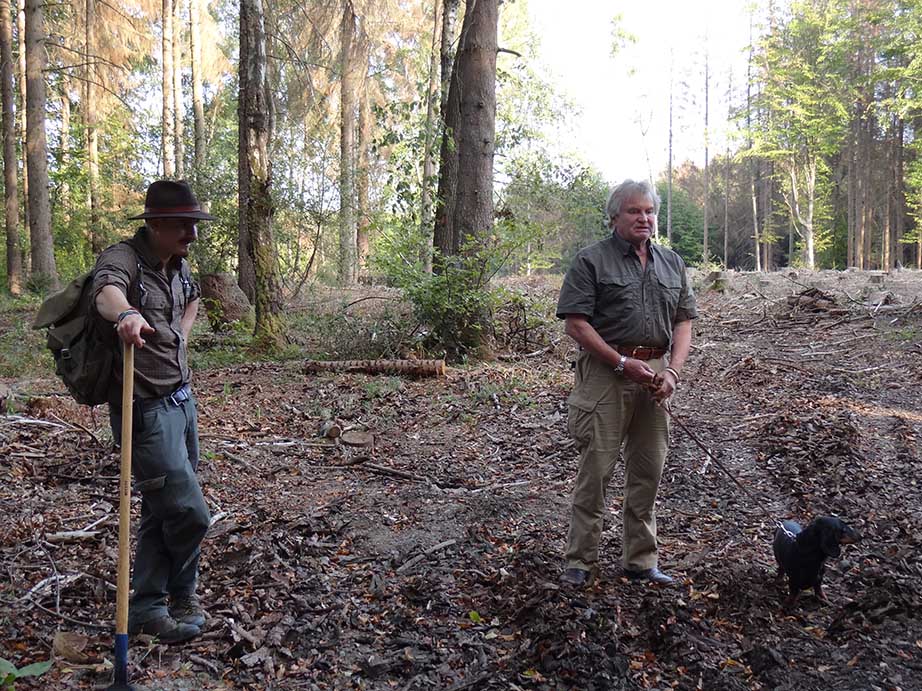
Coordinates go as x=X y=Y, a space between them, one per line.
x=120 y=682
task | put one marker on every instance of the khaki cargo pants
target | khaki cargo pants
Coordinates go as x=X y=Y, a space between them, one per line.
x=608 y=412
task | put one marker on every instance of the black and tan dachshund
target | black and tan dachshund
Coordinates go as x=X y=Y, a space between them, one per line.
x=801 y=553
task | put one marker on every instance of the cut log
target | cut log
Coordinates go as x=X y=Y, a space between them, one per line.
x=355 y=437
x=330 y=429
x=412 y=368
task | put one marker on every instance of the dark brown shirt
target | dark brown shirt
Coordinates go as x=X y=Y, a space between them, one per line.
x=627 y=304
x=161 y=294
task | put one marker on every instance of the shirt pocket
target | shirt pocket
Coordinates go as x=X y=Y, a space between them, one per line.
x=617 y=297
x=669 y=289
x=157 y=310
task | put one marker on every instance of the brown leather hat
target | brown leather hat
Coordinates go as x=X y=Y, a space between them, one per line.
x=172 y=199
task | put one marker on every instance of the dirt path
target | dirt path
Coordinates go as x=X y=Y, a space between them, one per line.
x=327 y=570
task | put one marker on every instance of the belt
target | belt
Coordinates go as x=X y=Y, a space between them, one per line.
x=181 y=395
x=641 y=352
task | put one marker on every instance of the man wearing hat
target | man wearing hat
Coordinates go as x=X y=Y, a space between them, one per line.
x=144 y=287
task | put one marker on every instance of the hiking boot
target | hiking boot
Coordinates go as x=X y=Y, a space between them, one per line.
x=578 y=578
x=188 y=610
x=166 y=630
x=653 y=575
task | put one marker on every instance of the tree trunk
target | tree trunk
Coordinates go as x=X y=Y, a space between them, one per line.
x=178 y=108
x=269 y=332
x=246 y=271
x=669 y=172
x=26 y=221
x=851 y=196
x=97 y=242
x=362 y=168
x=474 y=137
x=167 y=120
x=425 y=210
x=63 y=158
x=449 y=21
x=752 y=161
x=705 y=257
x=43 y=264
x=347 y=225
x=899 y=225
x=10 y=191
x=198 y=100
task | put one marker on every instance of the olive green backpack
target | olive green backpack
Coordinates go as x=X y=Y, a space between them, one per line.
x=83 y=347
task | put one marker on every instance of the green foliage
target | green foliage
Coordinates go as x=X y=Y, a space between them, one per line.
x=22 y=350
x=557 y=204
x=687 y=221
x=453 y=305
x=9 y=673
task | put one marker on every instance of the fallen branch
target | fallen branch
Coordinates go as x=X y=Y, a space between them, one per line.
x=71 y=536
x=414 y=368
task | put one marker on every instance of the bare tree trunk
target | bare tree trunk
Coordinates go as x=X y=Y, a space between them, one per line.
x=26 y=221
x=449 y=21
x=198 y=100
x=246 y=270
x=178 y=107
x=752 y=161
x=851 y=196
x=705 y=256
x=899 y=196
x=727 y=175
x=62 y=198
x=347 y=225
x=97 y=242
x=669 y=173
x=869 y=164
x=166 y=141
x=10 y=191
x=43 y=263
x=362 y=169
x=425 y=211
x=465 y=198
x=269 y=332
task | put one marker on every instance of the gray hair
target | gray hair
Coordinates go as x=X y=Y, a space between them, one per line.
x=624 y=191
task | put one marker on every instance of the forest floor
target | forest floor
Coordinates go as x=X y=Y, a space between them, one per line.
x=432 y=560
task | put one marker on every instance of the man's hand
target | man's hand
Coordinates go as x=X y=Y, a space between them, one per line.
x=131 y=328
x=638 y=371
x=663 y=386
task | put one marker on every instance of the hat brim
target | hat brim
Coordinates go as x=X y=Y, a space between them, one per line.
x=197 y=215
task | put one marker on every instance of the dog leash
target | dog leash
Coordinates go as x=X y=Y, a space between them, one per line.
x=720 y=465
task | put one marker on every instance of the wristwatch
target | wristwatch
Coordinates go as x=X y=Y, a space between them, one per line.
x=619 y=368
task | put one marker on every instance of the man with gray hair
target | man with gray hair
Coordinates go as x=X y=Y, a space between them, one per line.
x=628 y=305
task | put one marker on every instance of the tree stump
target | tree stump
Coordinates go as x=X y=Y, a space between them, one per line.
x=718 y=280
x=224 y=301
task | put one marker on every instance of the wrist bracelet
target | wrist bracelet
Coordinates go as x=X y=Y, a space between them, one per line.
x=673 y=373
x=124 y=314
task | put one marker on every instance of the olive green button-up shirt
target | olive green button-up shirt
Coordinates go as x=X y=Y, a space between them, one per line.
x=161 y=295
x=627 y=304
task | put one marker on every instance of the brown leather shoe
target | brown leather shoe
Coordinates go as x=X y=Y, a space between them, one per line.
x=578 y=578
x=653 y=575
x=166 y=630
x=188 y=610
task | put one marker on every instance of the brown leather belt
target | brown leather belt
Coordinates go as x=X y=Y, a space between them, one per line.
x=641 y=352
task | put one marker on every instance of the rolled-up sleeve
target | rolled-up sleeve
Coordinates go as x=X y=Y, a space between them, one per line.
x=688 y=305
x=578 y=293
x=116 y=266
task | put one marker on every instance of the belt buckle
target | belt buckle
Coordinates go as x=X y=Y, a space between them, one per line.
x=173 y=399
x=634 y=351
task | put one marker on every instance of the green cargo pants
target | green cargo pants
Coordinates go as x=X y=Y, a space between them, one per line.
x=174 y=515
x=608 y=413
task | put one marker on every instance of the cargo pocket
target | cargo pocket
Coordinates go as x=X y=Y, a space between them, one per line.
x=580 y=419
x=151 y=485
